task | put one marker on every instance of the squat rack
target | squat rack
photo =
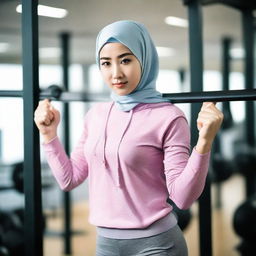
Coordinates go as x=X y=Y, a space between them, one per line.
x=31 y=95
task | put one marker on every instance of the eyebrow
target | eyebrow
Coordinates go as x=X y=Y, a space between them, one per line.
x=119 y=56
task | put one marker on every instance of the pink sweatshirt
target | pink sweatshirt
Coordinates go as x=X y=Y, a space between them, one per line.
x=133 y=161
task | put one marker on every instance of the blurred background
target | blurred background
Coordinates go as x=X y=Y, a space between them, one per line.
x=167 y=22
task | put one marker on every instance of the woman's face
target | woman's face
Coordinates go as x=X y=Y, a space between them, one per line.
x=120 y=69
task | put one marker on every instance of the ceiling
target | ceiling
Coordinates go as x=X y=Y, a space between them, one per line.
x=86 y=17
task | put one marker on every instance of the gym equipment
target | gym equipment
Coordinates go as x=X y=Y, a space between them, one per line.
x=186 y=97
x=245 y=220
x=4 y=251
x=19 y=214
x=17 y=177
x=244 y=223
x=228 y=120
x=11 y=234
x=245 y=161
x=222 y=168
x=53 y=91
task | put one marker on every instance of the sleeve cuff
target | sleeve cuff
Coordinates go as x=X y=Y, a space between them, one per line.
x=53 y=145
x=200 y=161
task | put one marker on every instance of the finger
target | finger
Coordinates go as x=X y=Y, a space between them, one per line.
x=45 y=101
x=199 y=125
x=42 y=120
x=55 y=111
x=45 y=114
x=207 y=105
x=211 y=109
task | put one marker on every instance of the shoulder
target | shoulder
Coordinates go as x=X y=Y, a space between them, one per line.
x=163 y=110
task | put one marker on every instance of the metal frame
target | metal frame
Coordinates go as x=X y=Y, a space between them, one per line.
x=65 y=38
x=196 y=81
x=248 y=41
x=32 y=170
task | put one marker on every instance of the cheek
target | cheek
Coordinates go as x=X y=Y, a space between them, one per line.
x=105 y=75
x=137 y=74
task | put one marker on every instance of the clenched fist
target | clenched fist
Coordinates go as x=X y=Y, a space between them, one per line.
x=208 y=123
x=47 y=119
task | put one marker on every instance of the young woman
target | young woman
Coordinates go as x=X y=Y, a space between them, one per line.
x=134 y=150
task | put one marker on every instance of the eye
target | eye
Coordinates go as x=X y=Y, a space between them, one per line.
x=105 y=63
x=126 y=61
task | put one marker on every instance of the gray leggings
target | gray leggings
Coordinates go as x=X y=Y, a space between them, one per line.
x=169 y=243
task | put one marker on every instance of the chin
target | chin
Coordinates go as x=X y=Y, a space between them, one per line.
x=122 y=93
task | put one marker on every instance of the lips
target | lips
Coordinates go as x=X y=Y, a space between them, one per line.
x=120 y=84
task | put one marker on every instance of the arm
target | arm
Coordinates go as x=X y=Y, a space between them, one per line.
x=69 y=172
x=185 y=175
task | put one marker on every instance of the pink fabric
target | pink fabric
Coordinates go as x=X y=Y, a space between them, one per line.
x=133 y=161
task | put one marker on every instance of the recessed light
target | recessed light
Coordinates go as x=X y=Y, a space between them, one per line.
x=4 y=47
x=47 y=11
x=164 y=51
x=175 y=21
x=237 y=53
x=49 y=52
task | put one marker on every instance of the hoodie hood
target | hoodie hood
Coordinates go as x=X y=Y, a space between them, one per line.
x=135 y=37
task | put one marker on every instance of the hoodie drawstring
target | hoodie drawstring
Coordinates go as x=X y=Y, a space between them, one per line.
x=102 y=144
x=118 y=180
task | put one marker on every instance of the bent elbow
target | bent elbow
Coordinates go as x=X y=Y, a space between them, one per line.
x=183 y=205
x=65 y=187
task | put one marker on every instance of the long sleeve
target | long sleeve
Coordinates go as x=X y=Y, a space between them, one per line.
x=185 y=173
x=69 y=172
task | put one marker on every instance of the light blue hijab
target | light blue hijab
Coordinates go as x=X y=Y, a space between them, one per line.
x=135 y=37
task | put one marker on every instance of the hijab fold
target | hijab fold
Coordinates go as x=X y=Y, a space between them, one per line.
x=135 y=37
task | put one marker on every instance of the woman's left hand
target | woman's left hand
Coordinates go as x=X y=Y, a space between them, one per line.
x=208 y=123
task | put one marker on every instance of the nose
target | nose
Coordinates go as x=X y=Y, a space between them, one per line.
x=117 y=71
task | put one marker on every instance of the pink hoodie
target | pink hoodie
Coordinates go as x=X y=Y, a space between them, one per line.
x=134 y=160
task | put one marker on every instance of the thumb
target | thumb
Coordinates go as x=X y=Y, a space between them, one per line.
x=56 y=113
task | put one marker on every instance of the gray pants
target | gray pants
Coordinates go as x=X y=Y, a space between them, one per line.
x=169 y=243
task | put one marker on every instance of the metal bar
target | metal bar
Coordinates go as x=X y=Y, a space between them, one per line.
x=65 y=37
x=239 y=4
x=226 y=43
x=77 y=96
x=248 y=41
x=5 y=93
x=185 y=97
x=196 y=59
x=196 y=76
x=32 y=171
x=1 y=145
x=212 y=96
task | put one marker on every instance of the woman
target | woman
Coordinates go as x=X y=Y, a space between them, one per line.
x=134 y=150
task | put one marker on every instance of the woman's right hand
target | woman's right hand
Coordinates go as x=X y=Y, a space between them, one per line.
x=47 y=119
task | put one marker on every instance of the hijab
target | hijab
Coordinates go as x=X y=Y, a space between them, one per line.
x=135 y=37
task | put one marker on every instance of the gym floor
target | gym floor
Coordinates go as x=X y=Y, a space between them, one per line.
x=224 y=238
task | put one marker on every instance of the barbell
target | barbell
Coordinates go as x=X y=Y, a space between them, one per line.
x=55 y=92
